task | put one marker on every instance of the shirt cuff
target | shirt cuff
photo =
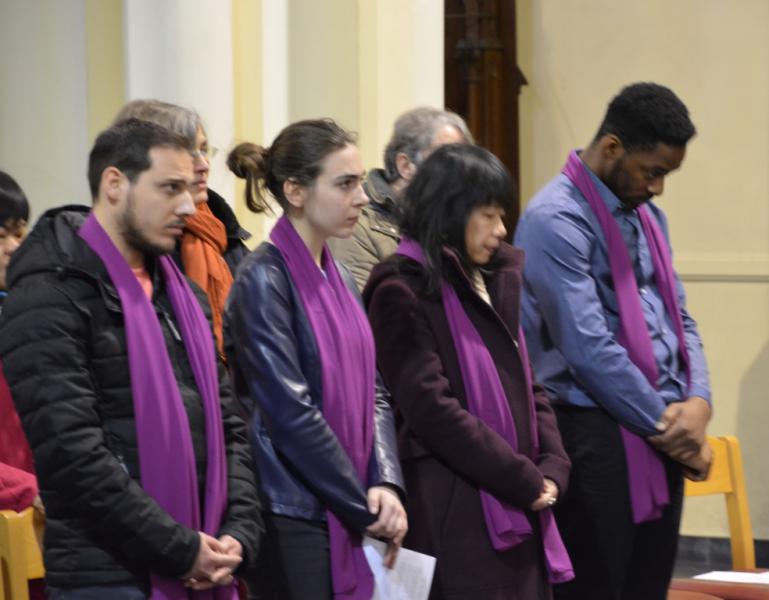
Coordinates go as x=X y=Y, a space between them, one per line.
x=702 y=392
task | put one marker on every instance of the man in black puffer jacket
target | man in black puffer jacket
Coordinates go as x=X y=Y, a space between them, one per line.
x=67 y=356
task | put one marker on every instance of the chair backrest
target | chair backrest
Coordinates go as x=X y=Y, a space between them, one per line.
x=727 y=477
x=21 y=558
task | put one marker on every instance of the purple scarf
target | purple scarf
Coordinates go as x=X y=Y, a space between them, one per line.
x=346 y=348
x=166 y=457
x=486 y=399
x=646 y=473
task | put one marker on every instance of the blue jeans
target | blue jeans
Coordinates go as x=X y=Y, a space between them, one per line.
x=97 y=592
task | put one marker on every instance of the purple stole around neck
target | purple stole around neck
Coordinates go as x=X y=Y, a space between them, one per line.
x=348 y=371
x=166 y=456
x=646 y=473
x=486 y=399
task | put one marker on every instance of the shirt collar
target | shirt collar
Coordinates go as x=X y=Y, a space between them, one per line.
x=609 y=198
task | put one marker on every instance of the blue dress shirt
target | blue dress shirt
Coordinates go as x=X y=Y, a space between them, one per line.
x=570 y=316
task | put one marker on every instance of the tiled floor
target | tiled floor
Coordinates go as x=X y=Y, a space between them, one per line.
x=701 y=555
x=687 y=569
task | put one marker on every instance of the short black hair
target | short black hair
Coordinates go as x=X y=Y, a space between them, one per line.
x=645 y=114
x=13 y=202
x=449 y=185
x=126 y=146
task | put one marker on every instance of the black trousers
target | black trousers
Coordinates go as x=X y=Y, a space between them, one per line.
x=613 y=558
x=294 y=562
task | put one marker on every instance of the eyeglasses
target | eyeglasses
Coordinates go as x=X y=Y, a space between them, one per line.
x=206 y=153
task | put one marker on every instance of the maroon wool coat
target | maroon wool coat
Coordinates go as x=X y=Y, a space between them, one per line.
x=447 y=454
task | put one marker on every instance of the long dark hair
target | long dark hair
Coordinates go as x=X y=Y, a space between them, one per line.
x=450 y=184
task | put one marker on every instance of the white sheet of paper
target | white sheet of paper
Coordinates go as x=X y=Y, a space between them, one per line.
x=735 y=577
x=409 y=580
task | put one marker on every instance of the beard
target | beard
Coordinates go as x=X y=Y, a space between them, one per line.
x=133 y=235
x=618 y=182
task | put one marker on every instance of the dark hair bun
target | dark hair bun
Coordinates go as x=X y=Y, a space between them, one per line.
x=248 y=160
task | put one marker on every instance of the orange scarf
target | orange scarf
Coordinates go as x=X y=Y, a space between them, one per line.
x=203 y=244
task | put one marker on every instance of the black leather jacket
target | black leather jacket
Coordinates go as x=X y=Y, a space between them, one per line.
x=276 y=369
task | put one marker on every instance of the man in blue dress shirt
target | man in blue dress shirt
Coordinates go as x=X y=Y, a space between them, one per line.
x=574 y=328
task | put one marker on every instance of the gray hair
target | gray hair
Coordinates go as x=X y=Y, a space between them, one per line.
x=414 y=132
x=180 y=120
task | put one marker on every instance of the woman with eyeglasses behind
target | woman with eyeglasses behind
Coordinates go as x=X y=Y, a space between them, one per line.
x=212 y=245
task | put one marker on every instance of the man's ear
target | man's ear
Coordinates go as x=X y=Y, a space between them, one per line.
x=406 y=168
x=295 y=193
x=611 y=147
x=113 y=185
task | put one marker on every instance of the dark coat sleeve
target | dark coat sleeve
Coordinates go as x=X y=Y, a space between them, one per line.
x=243 y=519
x=553 y=462
x=260 y=315
x=47 y=365
x=411 y=365
x=384 y=467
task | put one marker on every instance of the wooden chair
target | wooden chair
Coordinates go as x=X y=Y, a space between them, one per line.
x=727 y=477
x=21 y=558
x=682 y=595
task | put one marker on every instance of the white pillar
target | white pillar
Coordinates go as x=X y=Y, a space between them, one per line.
x=180 y=51
x=43 y=104
x=274 y=85
x=275 y=68
x=427 y=26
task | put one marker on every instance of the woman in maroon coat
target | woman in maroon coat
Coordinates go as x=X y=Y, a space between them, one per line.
x=480 y=449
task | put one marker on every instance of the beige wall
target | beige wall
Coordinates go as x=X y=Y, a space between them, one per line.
x=715 y=55
x=69 y=65
x=360 y=62
x=104 y=61
x=249 y=106
x=323 y=70
x=363 y=62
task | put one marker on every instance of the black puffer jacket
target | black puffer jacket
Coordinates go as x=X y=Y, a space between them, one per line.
x=236 y=235
x=62 y=342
